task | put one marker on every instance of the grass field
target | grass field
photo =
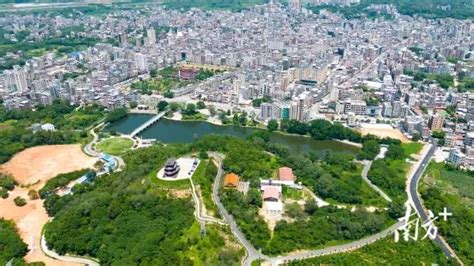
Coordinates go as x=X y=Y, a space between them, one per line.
x=412 y=148
x=178 y=184
x=453 y=189
x=115 y=146
x=452 y=181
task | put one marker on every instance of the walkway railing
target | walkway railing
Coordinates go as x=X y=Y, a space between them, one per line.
x=146 y=124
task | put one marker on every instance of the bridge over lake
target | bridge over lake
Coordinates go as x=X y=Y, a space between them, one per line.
x=146 y=125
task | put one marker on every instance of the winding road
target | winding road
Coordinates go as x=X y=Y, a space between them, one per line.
x=253 y=254
x=67 y=258
x=89 y=150
x=416 y=201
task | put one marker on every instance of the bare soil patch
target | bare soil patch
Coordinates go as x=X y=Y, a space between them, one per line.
x=32 y=168
x=385 y=132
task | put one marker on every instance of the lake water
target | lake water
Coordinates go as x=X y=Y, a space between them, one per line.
x=170 y=131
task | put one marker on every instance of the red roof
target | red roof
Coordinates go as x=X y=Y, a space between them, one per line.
x=286 y=174
x=270 y=192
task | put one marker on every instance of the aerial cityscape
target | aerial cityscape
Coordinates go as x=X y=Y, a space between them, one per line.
x=252 y=132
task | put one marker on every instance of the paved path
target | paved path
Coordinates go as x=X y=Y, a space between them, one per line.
x=198 y=211
x=414 y=197
x=148 y=123
x=365 y=171
x=67 y=258
x=253 y=254
x=89 y=150
x=336 y=249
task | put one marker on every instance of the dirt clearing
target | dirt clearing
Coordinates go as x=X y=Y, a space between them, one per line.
x=33 y=167
x=39 y=164
x=383 y=131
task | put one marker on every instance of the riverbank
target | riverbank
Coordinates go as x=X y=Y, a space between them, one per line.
x=213 y=121
x=175 y=130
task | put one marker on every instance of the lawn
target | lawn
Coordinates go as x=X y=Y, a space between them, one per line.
x=454 y=182
x=291 y=193
x=411 y=148
x=115 y=146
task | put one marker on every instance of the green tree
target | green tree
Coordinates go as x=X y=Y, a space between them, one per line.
x=190 y=109
x=174 y=106
x=116 y=114
x=310 y=207
x=395 y=152
x=11 y=245
x=200 y=105
x=272 y=125
x=370 y=149
x=153 y=72
x=438 y=134
x=243 y=119
x=168 y=94
x=162 y=106
x=19 y=201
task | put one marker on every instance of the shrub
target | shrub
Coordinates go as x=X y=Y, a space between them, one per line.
x=3 y=193
x=7 y=182
x=19 y=201
x=33 y=194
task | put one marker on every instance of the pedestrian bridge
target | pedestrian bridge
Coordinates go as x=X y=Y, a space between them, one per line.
x=146 y=125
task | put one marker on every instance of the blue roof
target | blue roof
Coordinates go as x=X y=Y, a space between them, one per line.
x=106 y=157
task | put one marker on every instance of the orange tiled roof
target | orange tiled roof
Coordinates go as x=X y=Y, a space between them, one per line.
x=231 y=180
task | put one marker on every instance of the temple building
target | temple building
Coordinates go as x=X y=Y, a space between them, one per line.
x=171 y=169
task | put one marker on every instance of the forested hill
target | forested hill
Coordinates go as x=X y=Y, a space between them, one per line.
x=460 y=9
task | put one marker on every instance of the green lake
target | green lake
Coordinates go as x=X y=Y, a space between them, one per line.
x=171 y=131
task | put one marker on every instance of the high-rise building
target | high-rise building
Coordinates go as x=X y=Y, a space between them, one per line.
x=355 y=106
x=266 y=110
x=140 y=62
x=410 y=99
x=16 y=80
x=151 y=36
x=301 y=106
x=294 y=110
x=387 y=109
x=123 y=39
x=436 y=122
x=396 y=108
x=470 y=107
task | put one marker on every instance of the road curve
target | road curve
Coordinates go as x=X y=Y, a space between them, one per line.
x=91 y=151
x=54 y=255
x=336 y=249
x=414 y=197
x=253 y=254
